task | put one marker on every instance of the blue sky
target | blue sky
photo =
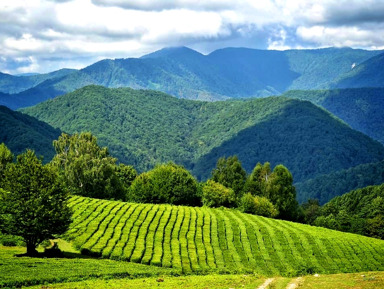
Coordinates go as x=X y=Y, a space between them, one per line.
x=46 y=35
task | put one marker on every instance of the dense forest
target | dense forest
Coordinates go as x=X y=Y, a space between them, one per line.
x=360 y=211
x=20 y=131
x=361 y=108
x=143 y=128
x=325 y=187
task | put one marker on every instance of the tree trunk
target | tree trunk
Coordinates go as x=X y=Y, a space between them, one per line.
x=31 y=250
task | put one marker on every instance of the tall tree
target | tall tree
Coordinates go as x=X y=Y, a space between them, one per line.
x=282 y=193
x=6 y=157
x=257 y=181
x=230 y=174
x=86 y=168
x=33 y=203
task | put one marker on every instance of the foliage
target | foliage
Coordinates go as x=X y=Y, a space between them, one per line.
x=282 y=193
x=311 y=210
x=6 y=157
x=325 y=187
x=360 y=211
x=167 y=183
x=276 y=186
x=33 y=204
x=86 y=168
x=203 y=240
x=230 y=174
x=20 y=131
x=258 y=206
x=359 y=107
x=144 y=128
x=217 y=195
x=127 y=174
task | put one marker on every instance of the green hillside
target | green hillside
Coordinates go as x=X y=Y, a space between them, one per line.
x=194 y=239
x=144 y=128
x=360 y=211
x=15 y=84
x=361 y=108
x=368 y=74
x=185 y=73
x=325 y=187
x=19 y=132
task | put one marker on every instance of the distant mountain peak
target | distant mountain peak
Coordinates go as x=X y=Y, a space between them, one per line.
x=172 y=52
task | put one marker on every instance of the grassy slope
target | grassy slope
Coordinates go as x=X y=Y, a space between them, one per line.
x=19 y=131
x=143 y=128
x=202 y=239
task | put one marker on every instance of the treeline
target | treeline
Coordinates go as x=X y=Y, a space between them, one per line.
x=325 y=187
x=84 y=168
x=360 y=211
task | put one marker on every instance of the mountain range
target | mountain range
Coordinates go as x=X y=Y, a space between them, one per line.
x=144 y=128
x=222 y=74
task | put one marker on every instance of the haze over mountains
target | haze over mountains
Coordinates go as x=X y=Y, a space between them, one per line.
x=225 y=73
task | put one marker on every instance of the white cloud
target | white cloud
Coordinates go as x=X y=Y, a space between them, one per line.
x=53 y=32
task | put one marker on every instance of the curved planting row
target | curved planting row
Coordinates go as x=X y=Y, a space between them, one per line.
x=193 y=239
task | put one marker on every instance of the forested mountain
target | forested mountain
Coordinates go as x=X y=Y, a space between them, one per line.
x=361 y=108
x=370 y=73
x=328 y=186
x=15 y=84
x=143 y=128
x=19 y=132
x=360 y=211
x=225 y=73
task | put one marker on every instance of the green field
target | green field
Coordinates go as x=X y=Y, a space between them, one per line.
x=370 y=280
x=193 y=239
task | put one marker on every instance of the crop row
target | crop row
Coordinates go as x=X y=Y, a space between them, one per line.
x=202 y=239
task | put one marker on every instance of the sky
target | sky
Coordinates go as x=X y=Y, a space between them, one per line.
x=46 y=35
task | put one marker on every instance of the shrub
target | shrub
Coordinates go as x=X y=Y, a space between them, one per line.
x=166 y=183
x=217 y=195
x=258 y=206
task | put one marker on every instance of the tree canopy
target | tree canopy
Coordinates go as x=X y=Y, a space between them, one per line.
x=33 y=202
x=166 y=183
x=86 y=168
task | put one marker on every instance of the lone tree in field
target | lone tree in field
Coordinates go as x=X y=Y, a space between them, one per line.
x=33 y=203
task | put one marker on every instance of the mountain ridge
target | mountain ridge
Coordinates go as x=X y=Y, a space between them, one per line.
x=222 y=74
x=143 y=128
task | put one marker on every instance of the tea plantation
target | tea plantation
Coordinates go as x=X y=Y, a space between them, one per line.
x=195 y=239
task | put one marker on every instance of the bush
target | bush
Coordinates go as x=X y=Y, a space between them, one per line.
x=165 y=184
x=11 y=241
x=258 y=206
x=217 y=195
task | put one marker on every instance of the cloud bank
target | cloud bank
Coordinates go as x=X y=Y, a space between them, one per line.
x=44 y=35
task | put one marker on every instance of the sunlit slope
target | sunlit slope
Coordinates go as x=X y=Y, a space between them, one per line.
x=203 y=239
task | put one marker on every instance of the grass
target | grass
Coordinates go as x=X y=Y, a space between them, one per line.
x=17 y=271
x=216 y=240
x=369 y=280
